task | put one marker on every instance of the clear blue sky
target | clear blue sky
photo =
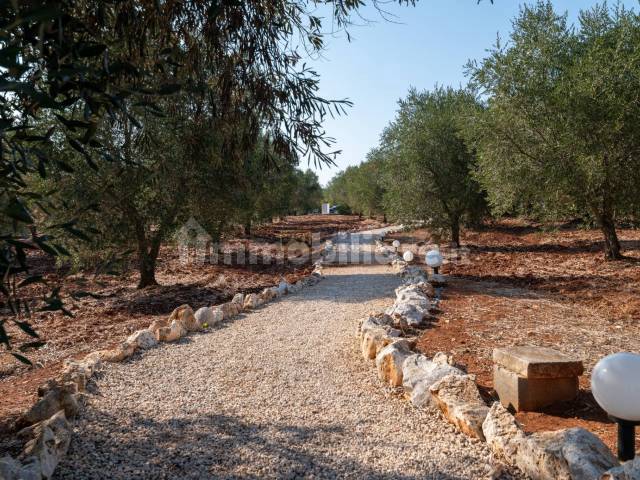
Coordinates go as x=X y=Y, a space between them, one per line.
x=429 y=46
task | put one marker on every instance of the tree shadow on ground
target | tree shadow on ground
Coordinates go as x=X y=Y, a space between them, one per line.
x=575 y=247
x=163 y=299
x=527 y=286
x=215 y=446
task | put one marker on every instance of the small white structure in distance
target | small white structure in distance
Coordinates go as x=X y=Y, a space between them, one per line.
x=326 y=209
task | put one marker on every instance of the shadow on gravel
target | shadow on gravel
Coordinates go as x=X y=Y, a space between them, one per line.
x=215 y=446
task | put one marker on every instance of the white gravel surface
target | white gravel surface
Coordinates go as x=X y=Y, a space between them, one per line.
x=281 y=393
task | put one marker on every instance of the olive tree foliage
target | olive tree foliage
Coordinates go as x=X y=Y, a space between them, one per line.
x=139 y=201
x=560 y=132
x=265 y=190
x=180 y=172
x=306 y=196
x=358 y=189
x=67 y=64
x=429 y=164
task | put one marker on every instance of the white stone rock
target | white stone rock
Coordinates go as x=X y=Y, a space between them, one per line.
x=283 y=288
x=208 y=316
x=374 y=322
x=53 y=398
x=78 y=372
x=570 y=454
x=627 y=471
x=49 y=444
x=175 y=331
x=502 y=433
x=143 y=339
x=459 y=399
x=10 y=468
x=420 y=289
x=390 y=359
x=230 y=309
x=375 y=340
x=185 y=316
x=252 y=301
x=414 y=315
x=419 y=373
x=442 y=358
x=268 y=294
x=217 y=315
x=238 y=298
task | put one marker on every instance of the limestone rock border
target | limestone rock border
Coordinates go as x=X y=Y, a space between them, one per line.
x=568 y=454
x=46 y=428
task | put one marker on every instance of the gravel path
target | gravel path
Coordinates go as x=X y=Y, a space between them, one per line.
x=281 y=392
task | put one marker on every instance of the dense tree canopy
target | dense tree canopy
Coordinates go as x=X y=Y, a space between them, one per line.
x=422 y=169
x=560 y=133
x=429 y=163
x=358 y=189
x=88 y=74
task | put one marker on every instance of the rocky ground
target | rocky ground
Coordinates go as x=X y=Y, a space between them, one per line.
x=280 y=392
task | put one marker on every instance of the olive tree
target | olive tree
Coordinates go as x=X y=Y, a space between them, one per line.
x=65 y=65
x=428 y=163
x=559 y=134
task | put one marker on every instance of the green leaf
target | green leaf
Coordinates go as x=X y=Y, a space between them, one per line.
x=65 y=167
x=16 y=210
x=45 y=247
x=42 y=170
x=30 y=280
x=77 y=233
x=22 y=358
x=26 y=328
x=72 y=124
x=62 y=250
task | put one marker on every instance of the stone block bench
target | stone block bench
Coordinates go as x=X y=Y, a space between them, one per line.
x=528 y=378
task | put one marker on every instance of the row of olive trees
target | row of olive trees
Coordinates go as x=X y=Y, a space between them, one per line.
x=548 y=127
x=422 y=168
x=559 y=134
x=101 y=78
x=175 y=168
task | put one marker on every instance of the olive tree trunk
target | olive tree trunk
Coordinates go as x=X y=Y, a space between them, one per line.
x=612 y=249
x=455 y=231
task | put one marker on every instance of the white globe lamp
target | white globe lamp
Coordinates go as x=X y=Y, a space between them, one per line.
x=615 y=383
x=407 y=256
x=433 y=259
x=396 y=245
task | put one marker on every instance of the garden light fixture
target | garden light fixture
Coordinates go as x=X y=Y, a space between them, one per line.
x=408 y=256
x=433 y=259
x=396 y=245
x=615 y=383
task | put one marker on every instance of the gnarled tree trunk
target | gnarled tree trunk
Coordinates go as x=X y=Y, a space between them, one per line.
x=455 y=231
x=147 y=267
x=603 y=212
x=612 y=249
